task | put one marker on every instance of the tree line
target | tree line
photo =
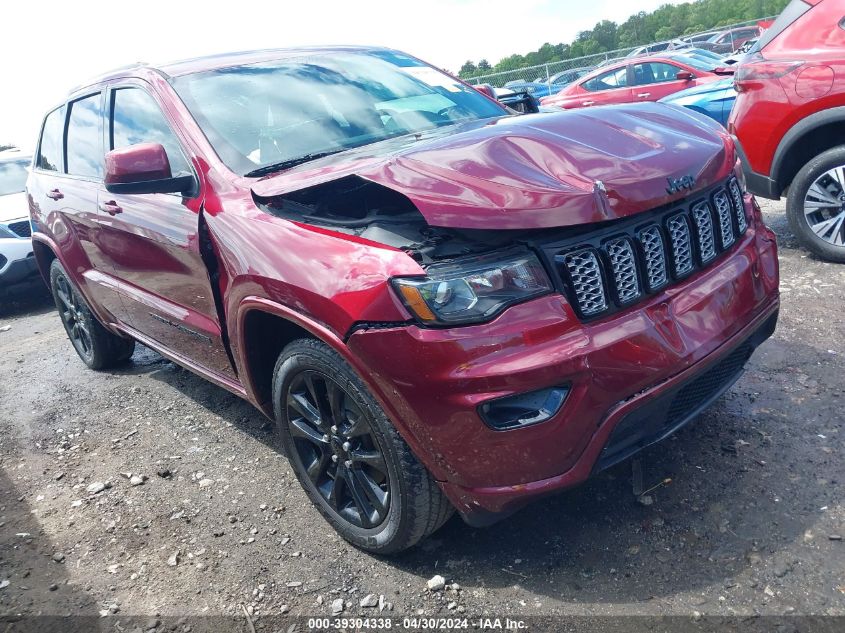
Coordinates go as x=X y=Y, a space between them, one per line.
x=666 y=22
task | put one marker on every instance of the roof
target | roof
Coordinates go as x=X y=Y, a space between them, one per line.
x=220 y=60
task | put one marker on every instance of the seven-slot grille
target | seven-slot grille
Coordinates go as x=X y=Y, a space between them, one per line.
x=651 y=241
x=624 y=267
x=585 y=274
x=617 y=270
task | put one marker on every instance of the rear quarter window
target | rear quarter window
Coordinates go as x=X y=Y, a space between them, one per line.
x=50 y=147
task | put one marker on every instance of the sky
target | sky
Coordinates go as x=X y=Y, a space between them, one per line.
x=49 y=46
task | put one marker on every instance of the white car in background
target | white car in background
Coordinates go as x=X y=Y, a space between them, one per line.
x=17 y=262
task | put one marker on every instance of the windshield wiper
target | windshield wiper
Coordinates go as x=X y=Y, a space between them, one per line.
x=287 y=164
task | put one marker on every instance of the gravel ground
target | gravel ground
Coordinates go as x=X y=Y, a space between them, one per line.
x=149 y=492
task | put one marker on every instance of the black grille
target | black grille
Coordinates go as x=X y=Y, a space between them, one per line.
x=21 y=229
x=724 y=212
x=667 y=413
x=690 y=397
x=704 y=226
x=584 y=273
x=621 y=262
x=679 y=238
x=624 y=267
x=655 y=261
x=739 y=207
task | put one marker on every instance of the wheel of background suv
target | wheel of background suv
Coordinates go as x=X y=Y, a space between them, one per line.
x=351 y=461
x=816 y=205
x=97 y=347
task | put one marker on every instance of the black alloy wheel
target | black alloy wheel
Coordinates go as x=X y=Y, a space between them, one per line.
x=73 y=317
x=98 y=347
x=352 y=462
x=337 y=449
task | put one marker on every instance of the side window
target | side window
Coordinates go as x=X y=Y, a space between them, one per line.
x=85 y=138
x=608 y=81
x=52 y=139
x=136 y=118
x=654 y=73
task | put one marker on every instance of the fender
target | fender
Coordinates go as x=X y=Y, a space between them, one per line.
x=797 y=132
x=320 y=332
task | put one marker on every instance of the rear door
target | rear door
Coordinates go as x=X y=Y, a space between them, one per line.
x=655 y=80
x=609 y=87
x=152 y=241
x=67 y=170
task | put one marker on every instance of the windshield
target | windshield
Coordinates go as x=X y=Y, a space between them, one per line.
x=696 y=62
x=13 y=176
x=271 y=115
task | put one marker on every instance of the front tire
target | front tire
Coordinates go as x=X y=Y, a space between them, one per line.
x=97 y=347
x=352 y=463
x=815 y=205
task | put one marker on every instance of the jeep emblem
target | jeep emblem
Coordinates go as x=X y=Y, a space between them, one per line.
x=678 y=184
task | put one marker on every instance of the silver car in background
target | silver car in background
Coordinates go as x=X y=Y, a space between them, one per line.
x=17 y=263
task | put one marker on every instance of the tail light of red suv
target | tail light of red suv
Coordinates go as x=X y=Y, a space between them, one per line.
x=757 y=70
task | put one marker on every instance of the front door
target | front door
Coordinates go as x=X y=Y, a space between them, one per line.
x=655 y=80
x=152 y=242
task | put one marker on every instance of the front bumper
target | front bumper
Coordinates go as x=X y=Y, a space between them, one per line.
x=18 y=271
x=432 y=381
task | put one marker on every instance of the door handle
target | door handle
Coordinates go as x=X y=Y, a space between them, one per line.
x=587 y=103
x=55 y=194
x=111 y=207
x=644 y=95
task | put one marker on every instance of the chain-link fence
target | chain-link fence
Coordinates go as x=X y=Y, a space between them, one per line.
x=563 y=72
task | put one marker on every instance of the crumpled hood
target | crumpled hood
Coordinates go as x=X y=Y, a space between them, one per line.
x=13 y=207
x=536 y=171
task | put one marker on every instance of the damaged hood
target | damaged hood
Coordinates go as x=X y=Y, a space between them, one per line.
x=536 y=171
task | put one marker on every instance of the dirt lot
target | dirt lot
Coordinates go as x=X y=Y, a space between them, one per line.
x=749 y=520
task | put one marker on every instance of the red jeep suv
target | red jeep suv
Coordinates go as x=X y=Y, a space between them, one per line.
x=789 y=120
x=442 y=305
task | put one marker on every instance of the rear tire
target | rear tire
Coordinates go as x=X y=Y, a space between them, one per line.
x=815 y=205
x=97 y=347
x=352 y=463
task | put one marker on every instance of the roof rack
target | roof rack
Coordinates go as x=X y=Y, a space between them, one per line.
x=108 y=73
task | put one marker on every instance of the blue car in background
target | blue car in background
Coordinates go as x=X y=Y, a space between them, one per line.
x=534 y=88
x=714 y=99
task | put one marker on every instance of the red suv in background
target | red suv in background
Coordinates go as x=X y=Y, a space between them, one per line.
x=441 y=305
x=634 y=80
x=789 y=120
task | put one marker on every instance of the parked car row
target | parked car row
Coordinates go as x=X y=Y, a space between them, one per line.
x=17 y=262
x=637 y=79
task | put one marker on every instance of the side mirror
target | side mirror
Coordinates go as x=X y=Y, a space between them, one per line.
x=685 y=75
x=486 y=89
x=143 y=168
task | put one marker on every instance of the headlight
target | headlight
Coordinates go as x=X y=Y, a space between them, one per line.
x=473 y=290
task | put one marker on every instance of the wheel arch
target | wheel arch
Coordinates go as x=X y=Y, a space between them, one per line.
x=45 y=253
x=264 y=327
x=808 y=138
